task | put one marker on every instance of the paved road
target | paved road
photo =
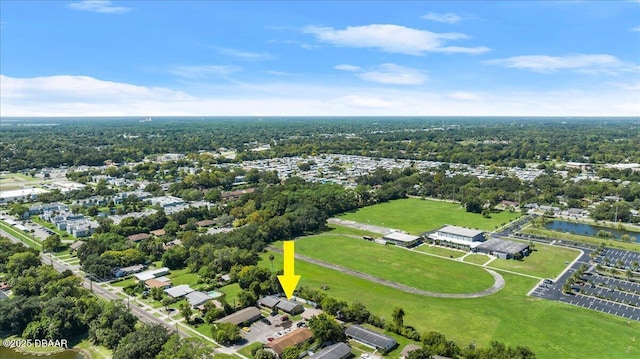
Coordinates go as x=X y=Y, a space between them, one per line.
x=358 y=225
x=497 y=285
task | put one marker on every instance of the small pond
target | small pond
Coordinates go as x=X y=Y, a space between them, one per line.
x=589 y=229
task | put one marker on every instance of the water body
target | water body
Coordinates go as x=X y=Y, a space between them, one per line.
x=588 y=229
x=7 y=353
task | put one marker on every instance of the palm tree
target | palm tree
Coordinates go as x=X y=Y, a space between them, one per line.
x=614 y=272
x=271 y=258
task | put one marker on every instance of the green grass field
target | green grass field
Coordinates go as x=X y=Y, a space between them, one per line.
x=440 y=251
x=476 y=258
x=396 y=264
x=15 y=178
x=183 y=276
x=417 y=215
x=231 y=292
x=551 y=329
x=546 y=261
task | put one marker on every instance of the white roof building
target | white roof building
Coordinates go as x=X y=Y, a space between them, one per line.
x=150 y=274
x=178 y=291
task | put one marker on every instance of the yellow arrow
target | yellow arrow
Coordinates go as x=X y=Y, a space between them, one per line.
x=289 y=280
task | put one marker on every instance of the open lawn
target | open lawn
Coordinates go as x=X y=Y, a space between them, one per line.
x=416 y=216
x=124 y=283
x=231 y=291
x=440 y=251
x=15 y=178
x=551 y=329
x=476 y=258
x=183 y=276
x=546 y=261
x=96 y=352
x=246 y=350
x=396 y=264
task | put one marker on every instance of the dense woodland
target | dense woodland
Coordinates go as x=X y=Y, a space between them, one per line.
x=37 y=143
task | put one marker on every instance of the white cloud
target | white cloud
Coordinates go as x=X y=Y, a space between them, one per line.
x=101 y=6
x=598 y=63
x=364 y=101
x=635 y=29
x=464 y=96
x=245 y=55
x=394 y=75
x=448 y=18
x=204 y=71
x=393 y=38
x=346 y=67
x=280 y=73
x=85 y=96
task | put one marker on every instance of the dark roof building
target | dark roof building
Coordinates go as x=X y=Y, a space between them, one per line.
x=371 y=338
x=205 y=223
x=269 y=302
x=292 y=308
x=138 y=237
x=503 y=249
x=335 y=351
x=246 y=315
x=75 y=245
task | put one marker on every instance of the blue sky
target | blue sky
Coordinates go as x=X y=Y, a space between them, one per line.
x=148 y=58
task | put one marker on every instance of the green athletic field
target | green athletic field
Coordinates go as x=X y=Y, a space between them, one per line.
x=396 y=264
x=416 y=216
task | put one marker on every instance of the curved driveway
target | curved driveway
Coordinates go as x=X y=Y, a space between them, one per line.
x=497 y=285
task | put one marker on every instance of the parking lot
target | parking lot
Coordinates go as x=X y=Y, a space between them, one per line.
x=604 y=306
x=272 y=326
x=601 y=293
x=618 y=257
x=614 y=283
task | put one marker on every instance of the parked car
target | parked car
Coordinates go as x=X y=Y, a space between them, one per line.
x=246 y=329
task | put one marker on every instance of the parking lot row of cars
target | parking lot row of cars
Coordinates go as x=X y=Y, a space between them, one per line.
x=593 y=291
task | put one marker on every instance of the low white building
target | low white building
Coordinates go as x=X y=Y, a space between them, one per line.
x=402 y=239
x=25 y=194
x=458 y=236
